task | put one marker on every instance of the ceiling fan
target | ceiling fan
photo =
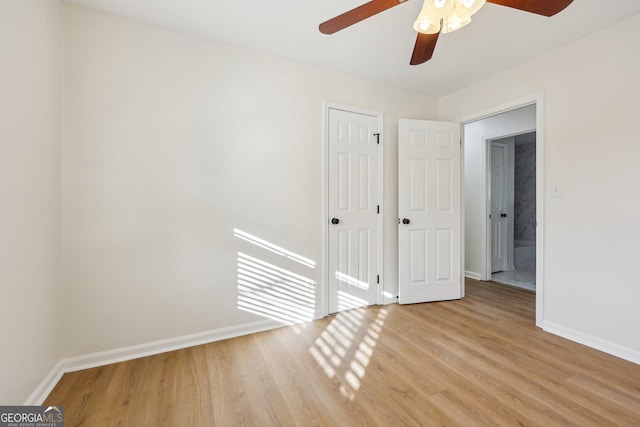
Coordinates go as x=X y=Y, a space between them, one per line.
x=438 y=16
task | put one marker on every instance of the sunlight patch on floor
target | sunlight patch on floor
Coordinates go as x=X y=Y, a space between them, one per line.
x=345 y=348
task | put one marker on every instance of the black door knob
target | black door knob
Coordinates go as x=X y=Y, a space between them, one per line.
x=406 y=221
x=504 y=215
x=335 y=221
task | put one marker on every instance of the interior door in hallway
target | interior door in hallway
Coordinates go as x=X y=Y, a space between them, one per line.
x=499 y=216
x=430 y=211
x=353 y=210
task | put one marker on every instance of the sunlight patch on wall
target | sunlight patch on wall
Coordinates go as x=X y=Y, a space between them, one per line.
x=281 y=292
x=345 y=348
x=351 y=281
x=274 y=292
x=347 y=301
x=274 y=248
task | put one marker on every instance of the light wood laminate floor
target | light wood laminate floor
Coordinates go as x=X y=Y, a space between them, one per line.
x=477 y=361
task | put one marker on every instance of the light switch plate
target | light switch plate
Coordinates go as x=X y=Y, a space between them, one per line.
x=555 y=189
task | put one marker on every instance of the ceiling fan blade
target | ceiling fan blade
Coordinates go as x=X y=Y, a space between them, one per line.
x=423 y=50
x=356 y=15
x=539 y=7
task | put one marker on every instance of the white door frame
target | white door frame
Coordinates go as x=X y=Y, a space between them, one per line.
x=323 y=289
x=537 y=100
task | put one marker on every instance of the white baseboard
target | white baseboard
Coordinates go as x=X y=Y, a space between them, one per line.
x=44 y=388
x=142 y=350
x=617 y=350
x=472 y=275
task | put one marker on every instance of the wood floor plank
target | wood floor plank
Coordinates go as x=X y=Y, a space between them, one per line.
x=513 y=389
x=479 y=361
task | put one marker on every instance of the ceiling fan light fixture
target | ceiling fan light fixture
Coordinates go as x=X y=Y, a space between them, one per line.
x=453 y=14
x=466 y=8
x=453 y=22
x=435 y=10
x=425 y=25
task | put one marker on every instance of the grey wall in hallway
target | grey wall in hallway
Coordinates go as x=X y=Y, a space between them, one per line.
x=525 y=188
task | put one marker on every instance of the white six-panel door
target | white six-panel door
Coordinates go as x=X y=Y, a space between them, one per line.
x=353 y=210
x=429 y=207
x=499 y=161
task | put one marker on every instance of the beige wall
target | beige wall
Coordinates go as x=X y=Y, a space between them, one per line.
x=30 y=112
x=171 y=142
x=592 y=236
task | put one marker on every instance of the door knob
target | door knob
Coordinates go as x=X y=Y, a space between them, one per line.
x=335 y=221
x=406 y=221
x=503 y=215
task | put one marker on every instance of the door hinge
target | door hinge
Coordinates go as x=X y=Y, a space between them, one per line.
x=378 y=279
x=377 y=135
x=378 y=209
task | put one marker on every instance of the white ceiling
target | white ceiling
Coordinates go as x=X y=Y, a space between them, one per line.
x=380 y=47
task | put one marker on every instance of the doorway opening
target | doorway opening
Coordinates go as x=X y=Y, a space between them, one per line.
x=520 y=117
x=512 y=193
